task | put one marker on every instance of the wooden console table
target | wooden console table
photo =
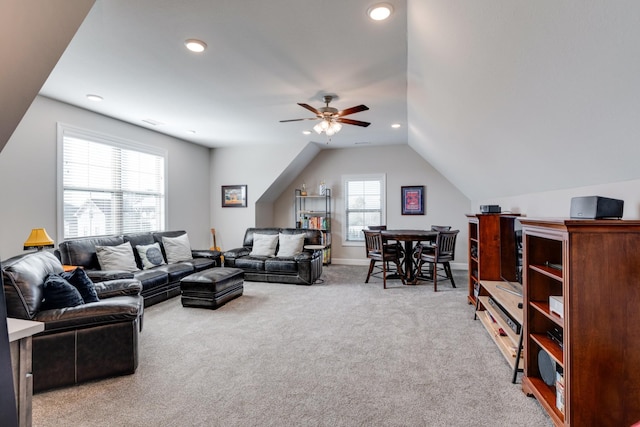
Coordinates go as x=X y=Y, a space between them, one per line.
x=20 y=332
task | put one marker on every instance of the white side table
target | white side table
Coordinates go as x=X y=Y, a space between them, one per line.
x=20 y=332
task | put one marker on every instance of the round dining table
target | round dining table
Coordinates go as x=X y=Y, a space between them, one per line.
x=409 y=237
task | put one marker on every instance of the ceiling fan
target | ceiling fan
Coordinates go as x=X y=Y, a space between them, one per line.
x=331 y=118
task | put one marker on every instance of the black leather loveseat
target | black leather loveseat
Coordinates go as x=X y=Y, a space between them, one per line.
x=301 y=268
x=84 y=342
x=158 y=283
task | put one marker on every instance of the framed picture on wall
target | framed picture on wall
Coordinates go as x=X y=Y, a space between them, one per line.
x=413 y=200
x=234 y=196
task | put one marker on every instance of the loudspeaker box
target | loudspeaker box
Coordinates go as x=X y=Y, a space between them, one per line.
x=596 y=207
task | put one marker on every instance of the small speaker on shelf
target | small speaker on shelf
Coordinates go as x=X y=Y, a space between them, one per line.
x=547 y=368
x=596 y=207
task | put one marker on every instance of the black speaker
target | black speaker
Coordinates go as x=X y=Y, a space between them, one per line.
x=490 y=209
x=547 y=368
x=596 y=207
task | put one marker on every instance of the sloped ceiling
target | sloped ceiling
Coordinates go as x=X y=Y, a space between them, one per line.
x=502 y=97
x=515 y=97
x=28 y=56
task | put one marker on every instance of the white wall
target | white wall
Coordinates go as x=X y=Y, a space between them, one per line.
x=557 y=203
x=255 y=166
x=28 y=174
x=445 y=205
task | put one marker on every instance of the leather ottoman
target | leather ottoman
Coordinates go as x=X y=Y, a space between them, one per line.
x=212 y=288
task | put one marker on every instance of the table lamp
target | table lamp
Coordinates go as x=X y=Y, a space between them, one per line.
x=38 y=239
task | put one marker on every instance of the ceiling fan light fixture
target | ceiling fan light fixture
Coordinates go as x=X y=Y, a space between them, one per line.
x=380 y=11
x=195 y=45
x=318 y=128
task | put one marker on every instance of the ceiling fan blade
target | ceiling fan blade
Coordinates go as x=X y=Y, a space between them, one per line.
x=352 y=122
x=310 y=108
x=297 y=120
x=352 y=110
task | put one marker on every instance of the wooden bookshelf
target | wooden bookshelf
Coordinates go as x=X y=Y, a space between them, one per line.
x=597 y=274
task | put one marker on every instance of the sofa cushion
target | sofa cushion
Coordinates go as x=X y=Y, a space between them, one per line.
x=58 y=293
x=281 y=265
x=177 y=271
x=250 y=263
x=152 y=278
x=119 y=257
x=177 y=248
x=78 y=279
x=290 y=244
x=264 y=245
x=200 y=264
x=82 y=251
x=150 y=255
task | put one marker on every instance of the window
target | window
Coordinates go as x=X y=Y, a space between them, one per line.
x=364 y=204
x=108 y=186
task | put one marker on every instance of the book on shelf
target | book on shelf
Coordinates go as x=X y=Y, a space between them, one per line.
x=315 y=222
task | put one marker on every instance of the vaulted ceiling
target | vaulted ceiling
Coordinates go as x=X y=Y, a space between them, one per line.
x=502 y=97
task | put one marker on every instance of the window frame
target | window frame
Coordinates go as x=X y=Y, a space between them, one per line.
x=65 y=130
x=380 y=177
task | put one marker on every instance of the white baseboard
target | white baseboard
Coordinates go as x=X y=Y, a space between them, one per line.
x=365 y=262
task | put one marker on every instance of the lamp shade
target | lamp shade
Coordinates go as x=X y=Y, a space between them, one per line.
x=38 y=239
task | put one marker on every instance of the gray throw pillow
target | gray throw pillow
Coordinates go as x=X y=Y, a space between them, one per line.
x=118 y=257
x=290 y=244
x=264 y=245
x=177 y=248
x=150 y=255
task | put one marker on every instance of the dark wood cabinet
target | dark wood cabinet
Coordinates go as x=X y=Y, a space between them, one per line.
x=583 y=365
x=484 y=251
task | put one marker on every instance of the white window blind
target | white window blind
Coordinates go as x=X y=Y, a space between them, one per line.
x=109 y=188
x=364 y=202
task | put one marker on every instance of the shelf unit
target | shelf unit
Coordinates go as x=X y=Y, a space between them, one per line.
x=594 y=265
x=314 y=212
x=509 y=342
x=484 y=251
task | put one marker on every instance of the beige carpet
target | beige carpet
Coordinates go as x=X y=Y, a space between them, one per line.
x=341 y=353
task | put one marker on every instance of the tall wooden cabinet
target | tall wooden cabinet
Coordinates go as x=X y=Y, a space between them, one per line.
x=583 y=366
x=314 y=211
x=484 y=251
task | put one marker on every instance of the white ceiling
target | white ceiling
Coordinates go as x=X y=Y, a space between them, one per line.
x=502 y=97
x=263 y=57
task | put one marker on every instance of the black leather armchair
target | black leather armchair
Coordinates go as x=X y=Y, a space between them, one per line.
x=86 y=342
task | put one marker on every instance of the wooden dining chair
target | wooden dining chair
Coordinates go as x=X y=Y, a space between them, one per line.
x=428 y=246
x=390 y=245
x=377 y=250
x=443 y=253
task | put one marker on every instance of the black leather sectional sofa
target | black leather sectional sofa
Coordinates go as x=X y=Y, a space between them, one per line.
x=158 y=283
x=303 y=268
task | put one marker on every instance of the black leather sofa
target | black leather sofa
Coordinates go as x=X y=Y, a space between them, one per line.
x=86 y=342
x=302 y=269
x=158 y=283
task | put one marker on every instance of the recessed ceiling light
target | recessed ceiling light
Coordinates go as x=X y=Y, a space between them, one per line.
x=395 y=125
x=195 y=45
x=94 y=98
x=380 y=11
x=306 y=132
x=152 y=122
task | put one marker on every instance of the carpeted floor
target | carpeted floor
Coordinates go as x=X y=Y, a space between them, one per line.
x=338 y=353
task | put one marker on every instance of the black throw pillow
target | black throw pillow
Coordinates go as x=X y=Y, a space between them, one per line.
x=79 y=279
x=58 y=293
